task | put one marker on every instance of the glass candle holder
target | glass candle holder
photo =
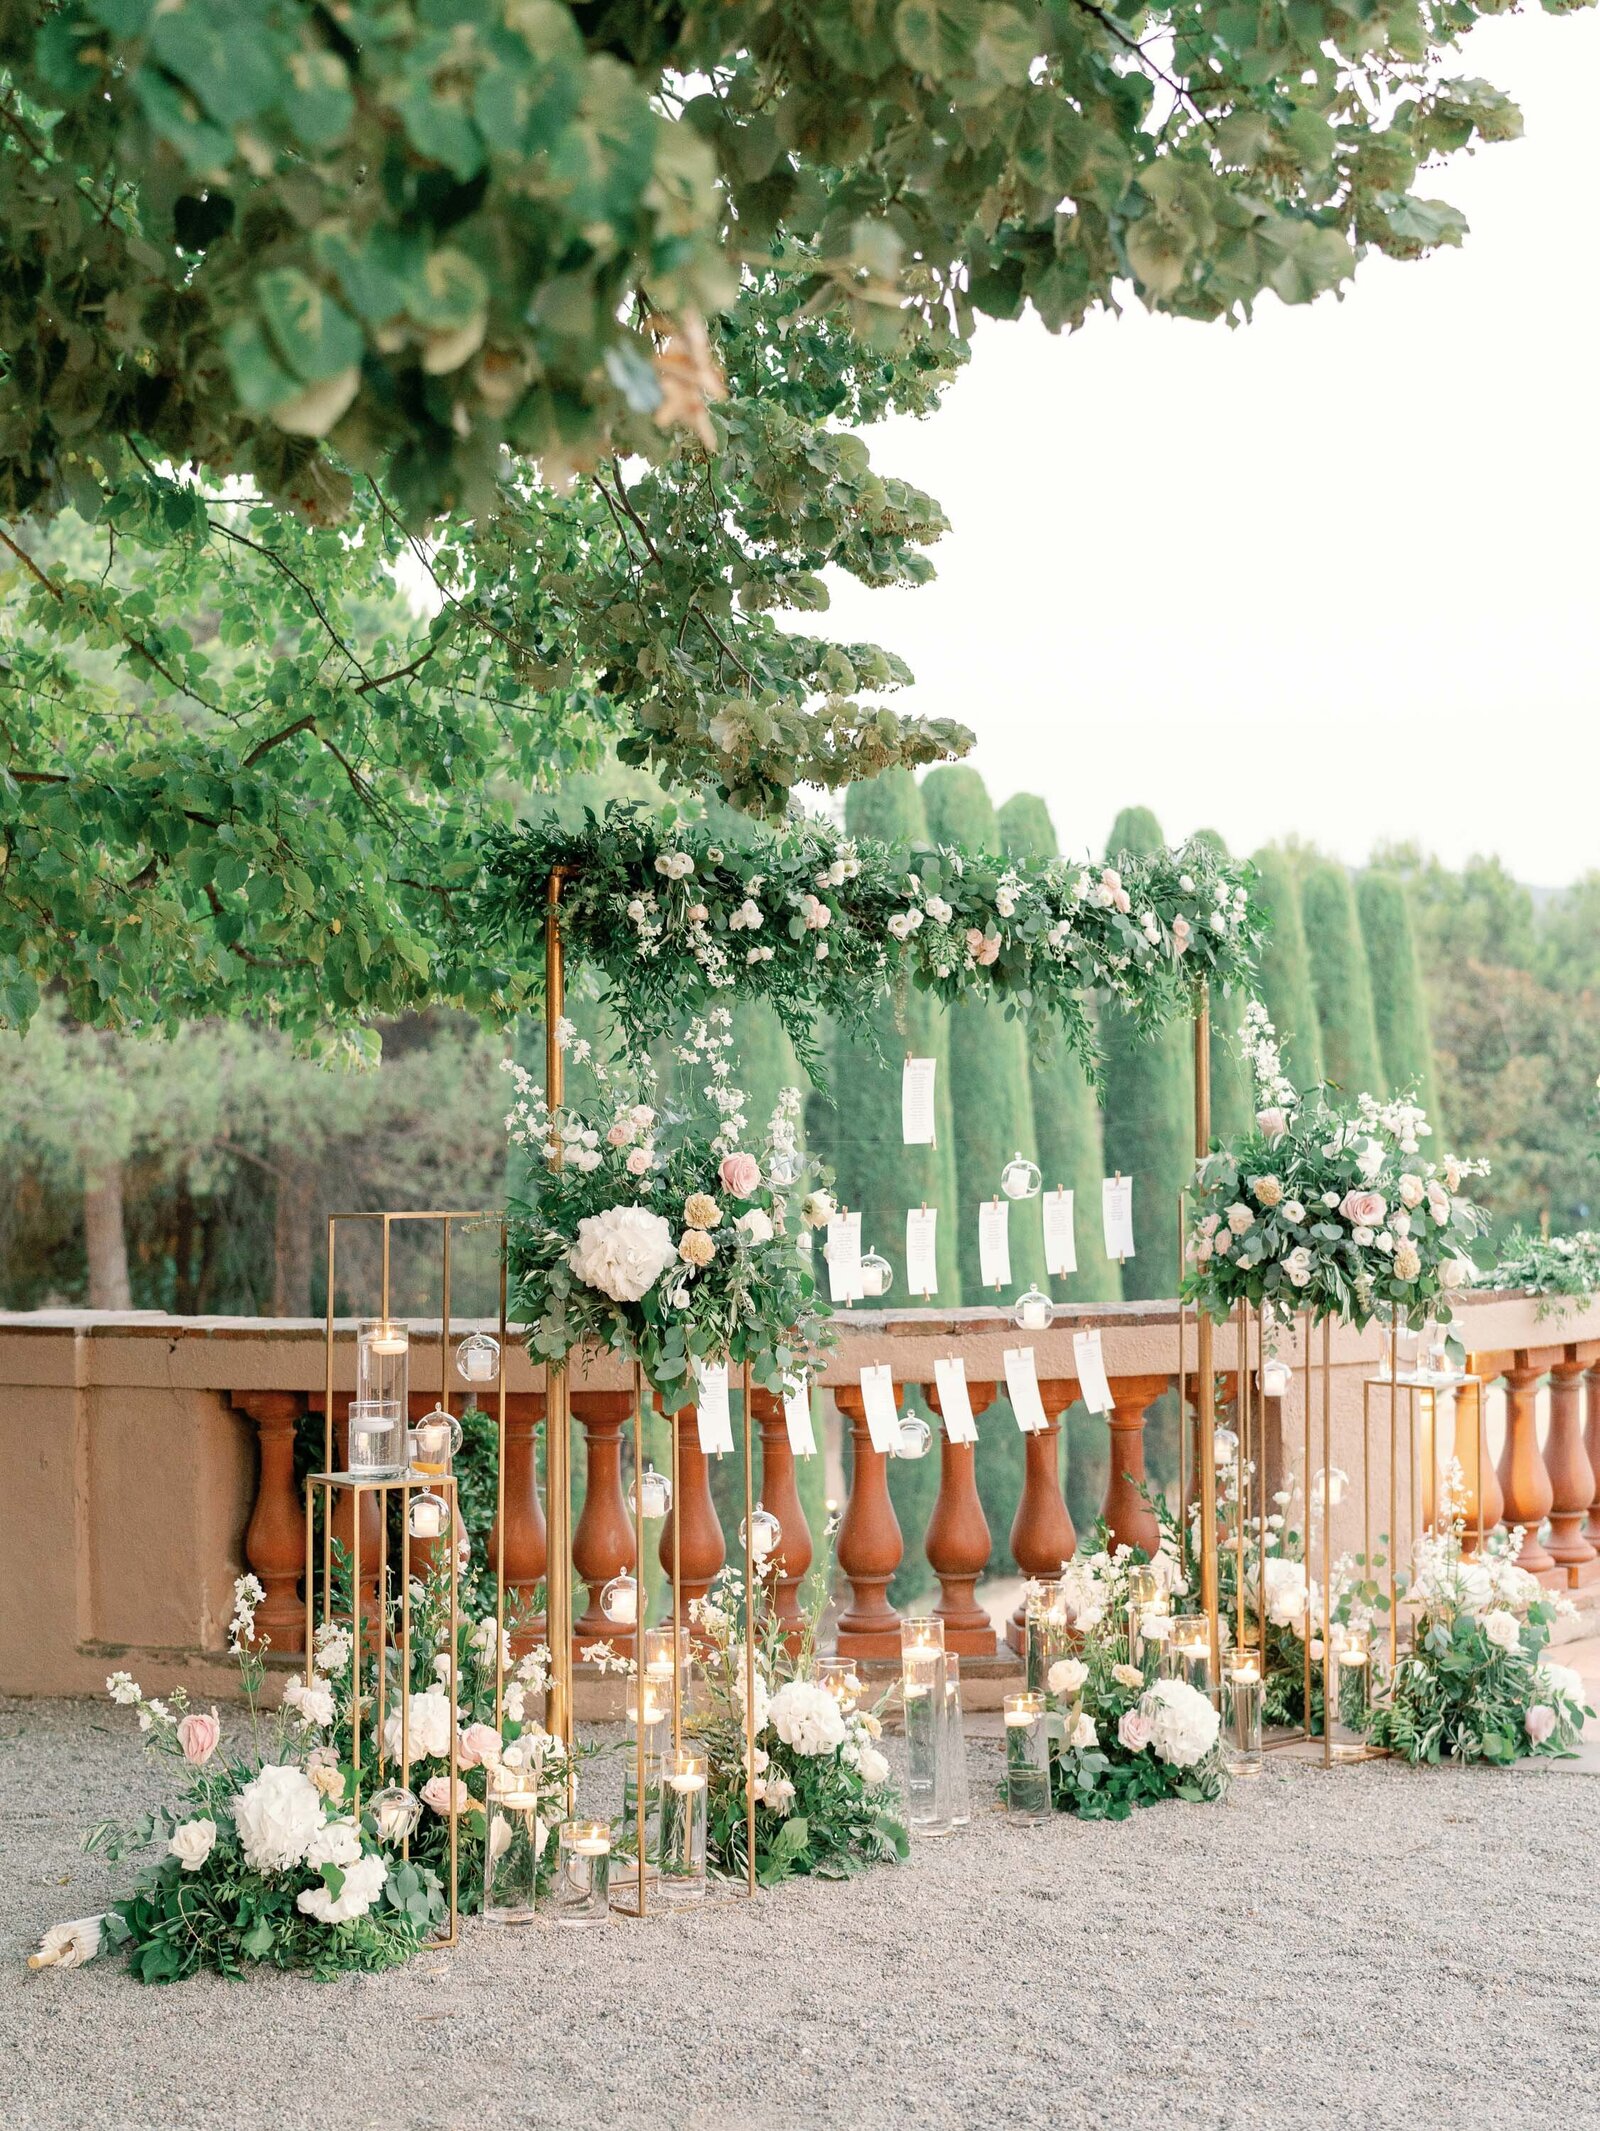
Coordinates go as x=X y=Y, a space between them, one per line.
x=681 y=1837
x=764 y=1537
x=395 y=1813
x=1186 y=1654
x=516 y=1838
x=434 y=1442
x=1045 y=1630
x=1400 y=1351
x=619 y=1601
x=841 y=1679
x=1033 y=1311
x=655 y=1489
x=1027 y=1761
x=1020 y=1178
x=1144 y=1589
x=658 y=1662
x=1347 y=1690
x=582 y=1893
x=922 y=1693
x=383 y=1361
x=1275 y=1377
x=377 y=1439
x=1242 y=1687
x=427 y=1516
x=1153 y=1631
x=478 y=1358
x=877 y=1275
x=958 y=1794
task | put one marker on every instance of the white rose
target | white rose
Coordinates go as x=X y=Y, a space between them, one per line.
x=755 y=1226
x=1502 y=1629
x=874 y=1766
x=1363 y=1238
x=311 y=1701
x=431 y=1724
x=775 y=1792
x=817 y=1209
x=277 y=1814
x=1184 y=1723
x=806 y=1717
x=623 y=1252
x=1067 y=1675
x=363 y=1883
x=1083 y=1731
x=1298 y=1265
x=1561 y=1683
x=193 y=1842
x=939 y=910
x=1410 y=1189
x=1240 y=1217
x=1293 y=1210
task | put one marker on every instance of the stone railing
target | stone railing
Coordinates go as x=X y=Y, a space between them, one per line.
x=150 y=1458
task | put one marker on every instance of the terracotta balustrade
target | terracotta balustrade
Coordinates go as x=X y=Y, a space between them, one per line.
x=1524 y=1482
x=602 y=1540
x=1567 y=1463
x=870 y=1545
x=957 y=1538
x=1591 y=1443
x=1482 y=1504
x=526 y=1542
x=791 y=1558
x=1042 y=1536
x=1130 y=1518
x=694 y=1516
x=275 y=1537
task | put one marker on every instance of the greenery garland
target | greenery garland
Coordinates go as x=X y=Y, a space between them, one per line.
x=1564 y=1271
x=821 y=923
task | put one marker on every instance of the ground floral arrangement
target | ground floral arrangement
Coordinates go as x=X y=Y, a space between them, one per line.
x=1328 y=1207
x=820 y=923
x=673 y=1236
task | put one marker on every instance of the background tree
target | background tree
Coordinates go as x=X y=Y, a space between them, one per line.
x=1232 y=1094
x=1339 y=979
x=1399 y=1004
x=1285 y=967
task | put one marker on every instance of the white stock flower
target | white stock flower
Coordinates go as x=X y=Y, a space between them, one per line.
x=277 y=1815
x=806 y=1717
x=192 y=1843
x=1184 y=1723
x=623 y=1252
x=431 y=1723
x=124 y=1690
x=363 y=1883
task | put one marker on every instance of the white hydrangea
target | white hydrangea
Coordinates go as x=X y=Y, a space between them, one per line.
x=430 y=1727
x=806 y=1717
x=1184 y=1725
x=363 y=1883
x=278 y=1815
x=623 y=1252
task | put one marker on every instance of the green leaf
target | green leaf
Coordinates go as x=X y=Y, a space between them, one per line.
x=313 y=332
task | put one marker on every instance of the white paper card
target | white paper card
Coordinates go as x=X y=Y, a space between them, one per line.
x=1022 y=1388
x=994 y=1243
x=1116 y=1210
x=916 y=1102
x=797 y=1418
x=922 y=1257
x=1060 y=1235
x=883 y=1415
x=713 y=1419
x=1093 y=1385
x=844 y=1258
x=955 y=1403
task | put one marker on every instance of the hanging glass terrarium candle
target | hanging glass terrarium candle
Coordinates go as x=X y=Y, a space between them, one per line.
x=478 y=1358
x=877 y=1275
x=1033 y=1311
x=923 y=1695
x=395 y=1812
x=1020 y=1178
x=915 y=1438
x=619 y=1601
x=650 y=1496
x=765 y=1535
x=434 y=1442
x=428 y=1516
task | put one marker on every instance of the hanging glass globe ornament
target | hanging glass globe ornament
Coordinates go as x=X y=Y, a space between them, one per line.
x=478 y=1358
x=619 y=1601
x=1033 y=1311
x=1226 y=1445
x=655 y=1490
x=916 y=1437
x=1275 y=1377
x=877 y=1274
x=765 y=1533
x=1020 y=1178
x=434 y=1441
x=428 y=1516
x=395 y=1812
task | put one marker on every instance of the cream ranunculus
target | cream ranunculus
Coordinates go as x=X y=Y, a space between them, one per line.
x=696 y=1247
x=278 y=1815
x=192 y=1843
x=429 y=1729
x=623 y=1252
x=1266 y=1190
x=806 y=1717
x=1184 y=1725
x=1407 y=1261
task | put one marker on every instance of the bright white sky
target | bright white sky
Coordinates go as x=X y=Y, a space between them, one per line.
x=1331 y=575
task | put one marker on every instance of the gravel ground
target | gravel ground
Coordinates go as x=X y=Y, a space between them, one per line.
x=1369 y=1945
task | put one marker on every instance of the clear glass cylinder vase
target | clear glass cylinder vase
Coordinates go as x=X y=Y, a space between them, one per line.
x=922 y=1689
x=1347 y=1691
x=1243 y=1686
x=516 y=1839
x=377 y=1439
x=681 y=1840
x=582 y=1892
x=1046 y=1628
x=383 y=1361
x=958 y=1796
x=1027 y=1760
x=1186 y=1653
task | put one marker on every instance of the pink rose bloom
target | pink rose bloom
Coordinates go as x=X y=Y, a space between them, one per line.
x=974 y=940
x=435 y=1793
x=621 y=1134
x=740 y=1174
x=1180 y=934
x=1135 y=1730
x=479 y=1743
x=988 y=952
x=1363 y=1209
x=639 y=1161
x=1224 y=1242
x=1541 y=1722
x=198 y=1736
x=1273 y=1123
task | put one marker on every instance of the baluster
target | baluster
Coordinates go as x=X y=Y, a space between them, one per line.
x=275 y=1538
x=1469 y=1407
x=1042 y=1537
x=1591 y=1392
x=602 y=1540
x=344 y=1499
x=696 y=1515
x=1131 y=1520
x=527 y=1544
x=1524 y=1482
x=957 y=1538
x=1567 y=1462
x=781 y=1496
x=870 y=1546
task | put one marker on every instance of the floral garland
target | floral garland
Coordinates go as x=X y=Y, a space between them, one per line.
x=1327 y=1208
x=816 y=922
x=1563 y=1270
x=663 y=1235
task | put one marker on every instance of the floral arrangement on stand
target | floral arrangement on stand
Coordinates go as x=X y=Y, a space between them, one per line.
x=1476 y=1684
x=264 y=1857
x=817 y=922
x=825 y=1807
x=1121 y=1737
x=670 y=1236
x=1328 y=1208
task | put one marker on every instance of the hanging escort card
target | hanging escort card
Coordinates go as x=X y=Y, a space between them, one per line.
x=878 y=1403
x=922 y=1259
x=994 y=1243
x=1060 y=1235
x=1094 y=1387
x=1116 y=1209
x=797 y=1417
x=713 y=1420
x=955 y=1403
x=1022 y=1388
x=916 y=1102
x=843 y=1254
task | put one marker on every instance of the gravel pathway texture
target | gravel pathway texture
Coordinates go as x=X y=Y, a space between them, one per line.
x=1373 y=1945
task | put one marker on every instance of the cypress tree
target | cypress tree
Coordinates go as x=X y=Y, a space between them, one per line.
x=1339 y=979
x=1285 y=969
x=1400 y=1006
x=1066 y=1114
x=1149 y=1110
x=1232 y=1096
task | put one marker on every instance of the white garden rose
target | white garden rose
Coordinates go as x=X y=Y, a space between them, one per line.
x=1502 y=1628
x=874 y=1766
x=755 y=1226
x=623 y=1252
x=1067 y=1675
x=311 y=1701
x=430 y=1727
x=806 y=1717
x=1184 y=1725
x=1286 y=1592
x=278 y=1815
x=363 y=1883
x=192 y=1843
x=1084 y=1734
x=1560 y=1683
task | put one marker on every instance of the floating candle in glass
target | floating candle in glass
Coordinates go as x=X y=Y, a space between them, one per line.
x=1027 y=1760
x=583 y=1873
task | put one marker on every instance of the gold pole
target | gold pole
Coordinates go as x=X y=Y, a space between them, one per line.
x=355 y=1642
x=405 y=1651
x=558 y=1416
x=500 y=1508
x=749 y=1647
x=1241 y=1413
x=327 y=1450
x=444 y=1324
x=455 y=1701
x=1183 y=1399
x=1327 y=1531
x=1259 y=1404
x=638 y=1626
x=1205 y=1387
x=310 y=1578
x=1394 y=1487
x=677 y=1594
x=1305 y=1513
x=383 y=1620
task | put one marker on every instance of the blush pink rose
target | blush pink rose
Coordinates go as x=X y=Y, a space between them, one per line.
x=1135 y=1731
x=740 y=1174
x=479 y=1743
x=621 y=1133
x=1363 y=1209
x=1541 y=1722
x=198 y=1735
x=638 y=1161
x=435 y=1794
